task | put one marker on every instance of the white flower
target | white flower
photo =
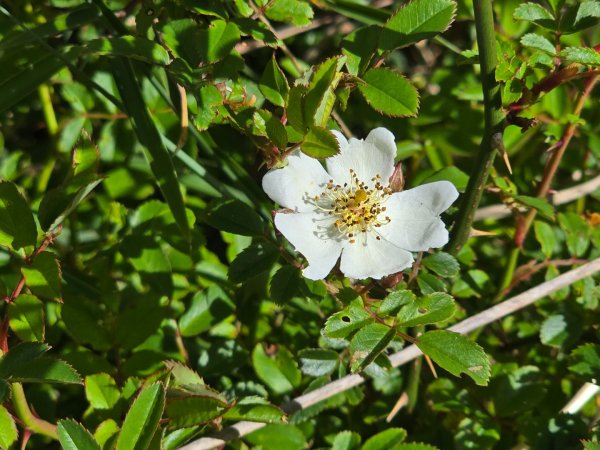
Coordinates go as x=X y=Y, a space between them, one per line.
x=349 y=210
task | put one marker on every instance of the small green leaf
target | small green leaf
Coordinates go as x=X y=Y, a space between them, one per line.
x=359 y=48
x=8 y=428
x=320 y=95
x=273 y=84
x=253 y=261
x=395 y=300
x=101 y=391
x=417 y=20
x=255 y=409
x=386 y=440
x=432 y=308
x=539 y=42
x=346 y=440
x=26 y=318
x=577 y=231
x=585 y=361
x=106 y=434
x=73 y=436
x=295 y=109
x=208 y=308
x=560 y=330
x=320 y=143
x=318 y=362
x=389 y=93
x=220 y=37
x=43 y=276
x=581 y=55
x=540 y=204
x=348 y=320
x=368 y=343
x=286 y=284
x=17 y=226
x=235 y=217
x=579 y=16
x=546 y=236
x=443 y=264
x=192 y=410
x=457 y=354
x=278 y=371
x=142 y=419
x=131 y=47
x=532 y=12
x=297 y=12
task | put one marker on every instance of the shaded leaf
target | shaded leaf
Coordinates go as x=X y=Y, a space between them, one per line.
x=43 y=276
x=317 y=362
x=73 y=436
x=320 y=143
x=17 y=226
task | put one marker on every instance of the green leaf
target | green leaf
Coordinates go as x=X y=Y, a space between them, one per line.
x=295 y=109
x=209 y=99
x=253 y=261
x=539 y=42
x=518 y=391
x=368 y=343
x=320 y=143
x=17 y=226
x=318 y=362
x=392 y=303
x=580 y=16
x=457 y=354
x=348 y=320
x=278 y=436
x=43 y=276
x=26 y=363
x=359 y=47
x=585 y=361
x=560 y=330
x=544 y=208
x=581 y=55
x=546 y=236
x=452 y=174
x=443 y=264
x=131 y=47
x=192 y=410
x=286 y=284
x=346 y=440
x=320 y=96
x=235 y=217
x=255 y=409
x=220 y=37
x=142 y=419
x=389 y=93
x=532 y=12
x=278 y=371
x=418 y=20
x=577 y=231
x=273 y=84
x=106 y=434
x=157 y=155
x=432 y=308
x=73 y=436
x=101 y=391
x=297 y=12
x=208 y=308
x=8 y=428
x=26 y=318
x=386 y=440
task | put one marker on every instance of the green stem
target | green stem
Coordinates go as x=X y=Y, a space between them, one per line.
x=48 y=109
x=31 y=422
x=492 y=135
x=511 y=266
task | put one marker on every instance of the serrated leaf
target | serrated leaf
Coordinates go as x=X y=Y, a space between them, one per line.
x=359 y=48
x=546 y=236
x=192 y=410
x=320 y=95
x=142 y=419
x=457 y=354
x=579 y=16
x=8 y=428
x=73 y=436
x=432 y=308
x=295 y=109
x=368 y=343
x=234 y=216
x=443 y=264
x=253 y=261
x=577 y=231
x=348 y=320
x=101 y=391
x=320 y=143
x=27 y=363
x=286 y=284
x=255 y=409
x=208 y=308
x=297 y=12
x=17 y=226
x=43 y=276
x=26 y=318
x=418 y=20
x=273 y=84
x=586 y=361
x=540 y=204
x=539 y=42
x=386 y=440
x=278 y=371
x=389 y=93
x=533 y=12
x=581 y=55
x=346 y=440
x=392 y=303
x=317 y=362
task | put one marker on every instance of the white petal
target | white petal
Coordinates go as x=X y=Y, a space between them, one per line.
x=369 y=158
x=372 y=258
x=340 y=138
x=309 y=233
x=293 y=185
x=414 y=216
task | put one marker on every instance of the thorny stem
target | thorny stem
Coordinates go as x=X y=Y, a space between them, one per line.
x=492 y=135
x=554 y=161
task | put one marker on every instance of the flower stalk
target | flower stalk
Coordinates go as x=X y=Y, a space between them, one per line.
x=494 y=125
x=31 y=422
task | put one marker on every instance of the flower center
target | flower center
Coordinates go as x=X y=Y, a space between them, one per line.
x=357 y=207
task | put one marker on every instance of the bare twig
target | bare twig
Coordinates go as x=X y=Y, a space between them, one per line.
x=583 y=395
x=408 y=354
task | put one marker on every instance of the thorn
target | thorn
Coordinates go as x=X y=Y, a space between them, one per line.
x=401 y=403
x=481 y=233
